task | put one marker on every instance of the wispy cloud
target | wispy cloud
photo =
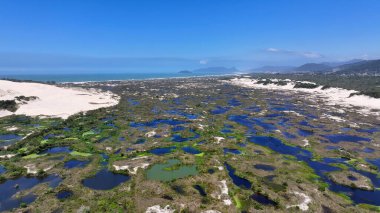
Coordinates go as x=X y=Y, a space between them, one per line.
x=273 y=50
x=203 y=61
x=364 y=57
x=305 y=54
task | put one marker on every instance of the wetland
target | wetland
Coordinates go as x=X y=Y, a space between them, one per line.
x=194 y=144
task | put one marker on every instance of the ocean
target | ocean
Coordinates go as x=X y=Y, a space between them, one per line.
x=60 y=78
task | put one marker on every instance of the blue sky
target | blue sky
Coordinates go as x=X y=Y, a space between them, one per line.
x=170 y=35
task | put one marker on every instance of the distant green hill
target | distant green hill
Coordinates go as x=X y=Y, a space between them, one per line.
x=313 y=67
x=352 y=67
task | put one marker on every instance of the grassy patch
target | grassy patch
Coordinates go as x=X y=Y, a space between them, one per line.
x=200 y=154
x=33 y=156
x=22 y=150
x=88 y=133
x=143 y=154
x=238 y=203
x=44 y=142
x=369 y=207
x=82 y=154
x=344 y=196
x=70 y=139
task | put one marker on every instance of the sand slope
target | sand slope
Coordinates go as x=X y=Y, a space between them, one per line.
x=54 y=101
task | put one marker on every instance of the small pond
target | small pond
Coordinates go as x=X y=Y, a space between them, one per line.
x=105 y=180
x=75 y=164
x=191 y=150
x=234 y=102
x=337 y=138
x=200 y=189
x=262 y=199
x=178 y=138
x=140 y=141
x=375 y=162
x=238 y=181
x=170 y=170
x=178 y=128
x=64 y=194
x=162 y=150
x=305 y=132
x=370 y=130
x=155 y=123
x=219 y=110
x=57 y=150
x=264 y=167
x=231 y=151
x=2 y=169
x=10 y=137
x=8 y=190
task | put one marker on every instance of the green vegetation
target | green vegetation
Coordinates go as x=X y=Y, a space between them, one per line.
x=345 y=197
x=34 y=155
x=9 y=105
x=305 y=85
x=369 y=207
x=81 y=154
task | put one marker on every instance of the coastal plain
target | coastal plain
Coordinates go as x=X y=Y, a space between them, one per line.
x=210 y=144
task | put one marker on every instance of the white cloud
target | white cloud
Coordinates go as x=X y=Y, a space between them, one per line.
x=204 y=61
x=312 y=55
x=305 y=54
x=364 y=57
x=273 y=50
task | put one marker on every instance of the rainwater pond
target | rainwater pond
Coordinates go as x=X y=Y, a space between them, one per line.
x=337 y=138
x=237 y=180
x=10 y=187
x=170 y=170
x=105 y=180
x=75 y=164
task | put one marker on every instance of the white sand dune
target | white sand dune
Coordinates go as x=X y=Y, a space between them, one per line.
x=54 y=101
x=332 y=96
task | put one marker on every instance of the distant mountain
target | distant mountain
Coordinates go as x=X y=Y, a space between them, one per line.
x=273 y=69
x=313 y=67
x=216 y=70
x=341 y=63
x=369 y=67
x=328 y=66
x=310 y=67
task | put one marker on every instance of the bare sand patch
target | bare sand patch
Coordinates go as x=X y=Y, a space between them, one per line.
x=54 y=101
x=331 y=96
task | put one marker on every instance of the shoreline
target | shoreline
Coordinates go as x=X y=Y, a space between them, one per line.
x=151 y=79
x=14 y=78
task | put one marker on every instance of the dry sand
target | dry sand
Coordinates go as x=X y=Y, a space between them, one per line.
x=54 y=101
x=332 y=96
